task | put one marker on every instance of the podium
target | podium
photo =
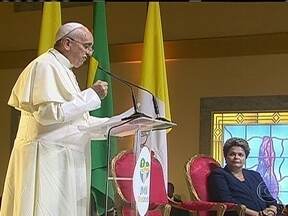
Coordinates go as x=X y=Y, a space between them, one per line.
x=120 y=128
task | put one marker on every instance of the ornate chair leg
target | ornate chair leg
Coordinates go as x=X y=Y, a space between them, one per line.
x=241 y=209
x=221 y=210
x=167 y=210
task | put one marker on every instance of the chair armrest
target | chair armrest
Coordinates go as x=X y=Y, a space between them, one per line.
x=199 y=206
x=239 y=208
x=173 y=202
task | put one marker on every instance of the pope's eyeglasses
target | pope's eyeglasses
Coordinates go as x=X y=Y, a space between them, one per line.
x=86 y=46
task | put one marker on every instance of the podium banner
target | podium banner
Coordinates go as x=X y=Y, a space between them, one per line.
x=141 y=181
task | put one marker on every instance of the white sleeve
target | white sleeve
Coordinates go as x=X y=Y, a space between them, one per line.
x=51 y=113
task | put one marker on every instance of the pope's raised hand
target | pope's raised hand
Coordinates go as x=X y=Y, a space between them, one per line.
x=100 y=87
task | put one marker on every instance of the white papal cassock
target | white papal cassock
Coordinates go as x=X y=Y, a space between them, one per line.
x=49 y=168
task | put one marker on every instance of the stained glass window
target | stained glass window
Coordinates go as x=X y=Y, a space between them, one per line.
x=267 y=134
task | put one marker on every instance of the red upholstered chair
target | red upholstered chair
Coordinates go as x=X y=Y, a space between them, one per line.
x=123 y=166
x=198 y=168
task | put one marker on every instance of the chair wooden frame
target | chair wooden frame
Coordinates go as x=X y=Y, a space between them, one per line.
x=219 y=208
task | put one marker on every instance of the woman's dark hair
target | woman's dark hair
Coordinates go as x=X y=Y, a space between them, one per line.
x=235 y=141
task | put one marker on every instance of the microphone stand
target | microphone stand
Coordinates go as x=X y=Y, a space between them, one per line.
x=130 y=85
x=136 y=114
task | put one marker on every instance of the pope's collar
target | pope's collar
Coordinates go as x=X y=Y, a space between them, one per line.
x=61 y=58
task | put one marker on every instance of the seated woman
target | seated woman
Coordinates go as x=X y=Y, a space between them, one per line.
x=235 y=184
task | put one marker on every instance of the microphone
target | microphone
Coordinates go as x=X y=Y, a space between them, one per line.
x=131 y=85
x=136 y=114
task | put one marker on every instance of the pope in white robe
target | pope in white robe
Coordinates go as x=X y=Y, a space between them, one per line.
x=49 y=168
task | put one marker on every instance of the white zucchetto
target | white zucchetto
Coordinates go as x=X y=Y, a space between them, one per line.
x=66 y=29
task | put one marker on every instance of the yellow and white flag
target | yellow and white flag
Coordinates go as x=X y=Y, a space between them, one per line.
x=153 y=78
x=51 y=21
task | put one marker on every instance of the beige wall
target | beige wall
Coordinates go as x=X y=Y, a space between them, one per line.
x=189 y=80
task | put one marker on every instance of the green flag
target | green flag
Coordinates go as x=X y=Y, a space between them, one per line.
x=99 y=148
